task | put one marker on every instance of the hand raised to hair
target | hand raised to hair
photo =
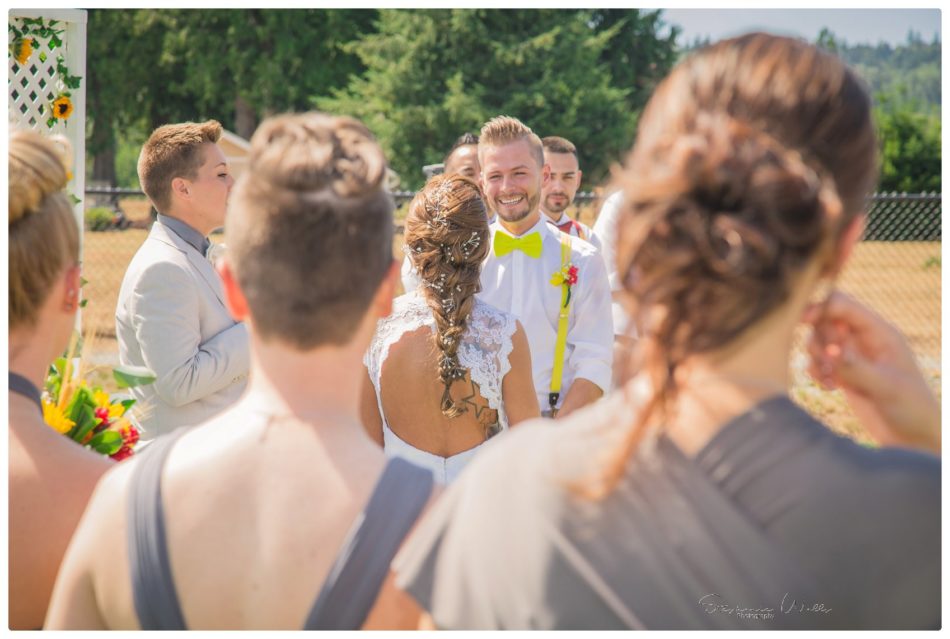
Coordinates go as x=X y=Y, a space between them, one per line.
x=856 y=350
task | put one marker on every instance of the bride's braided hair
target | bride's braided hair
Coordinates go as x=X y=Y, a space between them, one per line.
x=447 y=238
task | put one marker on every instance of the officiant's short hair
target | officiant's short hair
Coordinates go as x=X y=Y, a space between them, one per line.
x=173 y=150
x=504 y=129
x=309 y=228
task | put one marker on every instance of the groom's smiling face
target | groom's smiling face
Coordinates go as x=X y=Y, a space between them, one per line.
x=511 y=180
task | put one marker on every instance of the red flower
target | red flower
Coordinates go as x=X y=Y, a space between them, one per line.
x=572 y=276
x=122 y=453
x=130 y=436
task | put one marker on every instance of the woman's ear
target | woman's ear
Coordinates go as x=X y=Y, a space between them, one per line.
x=851 y=236
x=233 y=295
x=72 y=282
x=383 y=300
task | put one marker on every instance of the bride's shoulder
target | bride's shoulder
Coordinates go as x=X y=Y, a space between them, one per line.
x=407 y=304
x=485 y=310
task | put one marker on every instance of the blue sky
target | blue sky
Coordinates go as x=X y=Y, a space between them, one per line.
x=852 y=25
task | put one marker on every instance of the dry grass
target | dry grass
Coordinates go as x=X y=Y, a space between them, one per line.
x=901 y=280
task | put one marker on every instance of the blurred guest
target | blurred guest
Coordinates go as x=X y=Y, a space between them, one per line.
x=171 y=316
x=280 y=512
x=446 y=369
x=625 y=333
x=463 y=157
x=560 y=187
x=700 y=496
x=51 y=476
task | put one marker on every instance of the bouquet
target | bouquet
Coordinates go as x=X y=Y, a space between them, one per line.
x=87 y=414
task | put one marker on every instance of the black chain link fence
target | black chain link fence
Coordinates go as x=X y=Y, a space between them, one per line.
x=895 y=269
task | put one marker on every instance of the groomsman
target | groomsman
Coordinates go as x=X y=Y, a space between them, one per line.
x=560 y=186
x=523 y=273
x=171 y=316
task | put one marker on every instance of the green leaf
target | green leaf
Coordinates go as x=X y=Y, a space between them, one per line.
x=83 y=303
x=50 y=122
x=42 y=56
x=132 y=376
x=127 y=404
x=85 y=420
x=75 y=200
x=106 y=442
x=55 y=42
x=60 y=364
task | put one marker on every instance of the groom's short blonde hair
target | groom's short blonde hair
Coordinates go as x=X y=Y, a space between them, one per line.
x=502 y=130
x=310 y=228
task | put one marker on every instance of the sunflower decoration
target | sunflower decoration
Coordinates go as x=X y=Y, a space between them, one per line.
x=23 y=49
x=62 y=107
x=54 y=416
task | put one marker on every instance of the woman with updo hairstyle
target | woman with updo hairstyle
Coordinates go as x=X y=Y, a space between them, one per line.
x=698 y=495
x=446 y=370
x=51 y=477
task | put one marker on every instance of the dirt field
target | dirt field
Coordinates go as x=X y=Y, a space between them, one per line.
x=901 y=280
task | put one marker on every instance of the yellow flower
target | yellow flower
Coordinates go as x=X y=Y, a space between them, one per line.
x=55 y=418
x=557 y=279
x=62 y=107
x=101 y=398
x=23 y=49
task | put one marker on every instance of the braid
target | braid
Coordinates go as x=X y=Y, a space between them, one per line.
x=447 y=235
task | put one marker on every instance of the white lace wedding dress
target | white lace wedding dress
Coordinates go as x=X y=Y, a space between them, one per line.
x=483 y=350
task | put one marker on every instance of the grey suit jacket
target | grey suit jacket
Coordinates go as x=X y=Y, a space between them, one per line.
x=171 y=318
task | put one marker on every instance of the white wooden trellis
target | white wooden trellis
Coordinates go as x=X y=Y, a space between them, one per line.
x=35 y=83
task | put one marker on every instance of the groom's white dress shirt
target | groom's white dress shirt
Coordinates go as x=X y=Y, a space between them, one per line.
x=521 y=285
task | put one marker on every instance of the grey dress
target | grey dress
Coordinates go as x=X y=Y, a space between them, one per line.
x=777 y=523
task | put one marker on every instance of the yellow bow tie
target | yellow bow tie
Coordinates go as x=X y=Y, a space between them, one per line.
x=529 y=244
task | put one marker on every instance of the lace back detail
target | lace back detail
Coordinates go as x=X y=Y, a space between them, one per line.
x=484 y=349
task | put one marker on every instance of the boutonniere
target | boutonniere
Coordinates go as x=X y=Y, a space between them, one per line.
x=567 y=278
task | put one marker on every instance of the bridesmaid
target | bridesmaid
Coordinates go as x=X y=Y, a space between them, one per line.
x=51 y=477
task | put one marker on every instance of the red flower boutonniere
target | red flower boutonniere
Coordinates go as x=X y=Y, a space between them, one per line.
x=566 y=277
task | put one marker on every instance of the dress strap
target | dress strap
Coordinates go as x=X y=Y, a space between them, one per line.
x=153 y=587
x=361 y=566
x=22 y=386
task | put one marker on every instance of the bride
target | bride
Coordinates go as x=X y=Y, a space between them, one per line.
x=446 y=370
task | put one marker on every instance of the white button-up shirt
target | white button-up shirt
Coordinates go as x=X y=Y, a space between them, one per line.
x=522 y=286
x=606 y=229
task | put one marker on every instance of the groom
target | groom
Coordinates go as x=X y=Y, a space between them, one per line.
x=526 y=255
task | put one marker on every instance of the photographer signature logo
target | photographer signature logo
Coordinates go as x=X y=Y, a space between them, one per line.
x=713 y=603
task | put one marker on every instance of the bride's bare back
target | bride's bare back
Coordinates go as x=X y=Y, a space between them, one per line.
x=411 y=393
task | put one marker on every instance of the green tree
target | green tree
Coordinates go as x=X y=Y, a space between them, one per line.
x=910 y=149
x=434 y=74
x=149 y=67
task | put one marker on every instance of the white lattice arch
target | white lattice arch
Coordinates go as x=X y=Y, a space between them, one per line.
x=35 y=83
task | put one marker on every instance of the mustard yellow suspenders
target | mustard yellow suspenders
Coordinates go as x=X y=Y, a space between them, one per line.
x=558 y=372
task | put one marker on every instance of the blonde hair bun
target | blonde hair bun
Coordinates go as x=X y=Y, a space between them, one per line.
x=39 y=167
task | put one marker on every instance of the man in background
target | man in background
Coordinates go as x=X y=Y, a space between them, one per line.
x=560 y=187
x=171 y=316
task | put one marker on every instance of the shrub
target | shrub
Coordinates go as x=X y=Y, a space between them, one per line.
x=99 y=218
